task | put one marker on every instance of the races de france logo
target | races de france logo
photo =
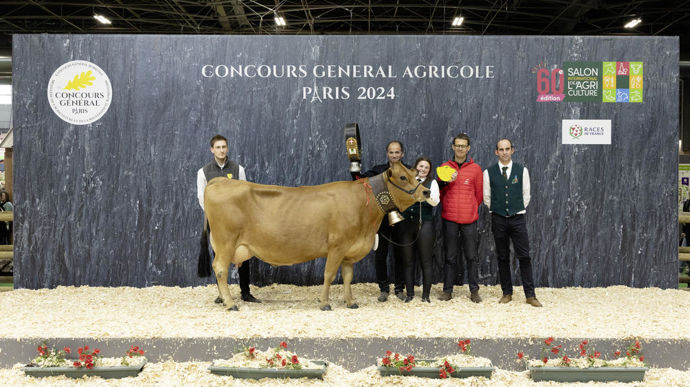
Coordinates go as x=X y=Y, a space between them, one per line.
x=79 y=92
x=575 y=131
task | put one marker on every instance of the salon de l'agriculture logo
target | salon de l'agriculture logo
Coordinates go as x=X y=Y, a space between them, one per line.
x=79 y=92
x=607 y=82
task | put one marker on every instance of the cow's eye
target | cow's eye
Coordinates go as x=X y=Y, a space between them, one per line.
x=403 y=178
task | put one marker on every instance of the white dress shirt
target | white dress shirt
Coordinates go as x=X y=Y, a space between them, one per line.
x=525 y=185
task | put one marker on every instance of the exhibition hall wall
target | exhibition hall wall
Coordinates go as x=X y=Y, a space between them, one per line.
x=111 y=130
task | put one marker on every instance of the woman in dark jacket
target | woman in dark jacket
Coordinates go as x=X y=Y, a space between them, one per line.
x=421 y=231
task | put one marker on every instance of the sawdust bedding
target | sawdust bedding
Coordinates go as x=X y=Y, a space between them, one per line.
x=612 y=312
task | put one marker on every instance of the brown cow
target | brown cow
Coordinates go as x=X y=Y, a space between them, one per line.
x=288 y=225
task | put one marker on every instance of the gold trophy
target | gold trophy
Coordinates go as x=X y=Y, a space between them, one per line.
x=353 y=147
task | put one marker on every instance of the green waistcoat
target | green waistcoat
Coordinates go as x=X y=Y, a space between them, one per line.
x=506 y=195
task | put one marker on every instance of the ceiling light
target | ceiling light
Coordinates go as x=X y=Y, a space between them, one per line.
x=633 y=23
x=280 y=21
x=457 y=22
x=102 y=19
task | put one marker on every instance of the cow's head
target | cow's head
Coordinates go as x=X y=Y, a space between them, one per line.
x=403 y=186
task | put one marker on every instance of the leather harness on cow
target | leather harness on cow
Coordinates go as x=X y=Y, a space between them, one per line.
x=386 y=203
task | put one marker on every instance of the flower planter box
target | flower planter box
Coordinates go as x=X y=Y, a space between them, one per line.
x=280 y=373
x=600 y=374
x=433 y=372
x=112 y=372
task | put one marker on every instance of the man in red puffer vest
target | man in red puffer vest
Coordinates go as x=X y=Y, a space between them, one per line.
x=461 y=197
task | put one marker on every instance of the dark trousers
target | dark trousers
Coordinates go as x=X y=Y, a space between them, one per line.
x=381 y=258
x=468 y=238
x=421 y=251
x=513 y=228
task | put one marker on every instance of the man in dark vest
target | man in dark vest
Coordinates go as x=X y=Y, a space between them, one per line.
x=394 y=152
x=507 y=194
x=221 y=166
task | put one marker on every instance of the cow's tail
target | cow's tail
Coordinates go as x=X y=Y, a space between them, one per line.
x=204 y=268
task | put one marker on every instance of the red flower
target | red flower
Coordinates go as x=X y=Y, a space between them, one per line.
x=405 y=361
x=566 y=359
x=284 y=362
x=642 y=358
x=617 y=353
x=410 y=358
x=96 y=351
x=545 y=360
x=67 y=350
x=386 y=361
x=294 y=359
x=467 y=341
x=446 y=364
x=82 y=357
x=554 y=350
x=141 y=351
x=597 y=354
x=77 y=364
x=397 y=356
x=278 y=356
x=80 y=350
x=86 y=348
x=283 y=344
x=585 y=342
x=627 y=354
x=89 y=365
x=549 y=341
x=637 y=344
x=388 y=353
x=451 y=370
x=583 y=352
x=443 y=373
x=409 y=368
x=520 y=355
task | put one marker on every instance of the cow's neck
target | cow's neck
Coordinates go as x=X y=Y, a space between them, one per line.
x=382 y=197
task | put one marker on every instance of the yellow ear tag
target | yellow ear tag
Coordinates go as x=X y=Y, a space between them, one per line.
x=445 y=172
x=229 y=175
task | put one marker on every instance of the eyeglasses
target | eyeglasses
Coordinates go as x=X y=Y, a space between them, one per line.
x=461 y=146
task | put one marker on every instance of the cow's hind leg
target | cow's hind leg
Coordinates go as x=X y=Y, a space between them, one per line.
x=347 y=270
x=221 y=266
x=332 y=264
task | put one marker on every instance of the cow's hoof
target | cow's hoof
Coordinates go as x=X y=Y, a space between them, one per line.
x=326 y=307
x=353 y=306
x=233 y=309
x=218 y=300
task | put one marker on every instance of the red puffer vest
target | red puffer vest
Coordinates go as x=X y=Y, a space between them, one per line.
x=461 y=198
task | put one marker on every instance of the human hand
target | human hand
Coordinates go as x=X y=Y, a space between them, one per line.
x=454 y=176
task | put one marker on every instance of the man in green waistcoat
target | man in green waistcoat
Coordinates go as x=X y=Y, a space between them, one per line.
x=507 y=194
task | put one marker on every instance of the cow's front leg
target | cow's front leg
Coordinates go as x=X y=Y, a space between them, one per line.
x=221 y=266
x=347 y=270
x=332 y=264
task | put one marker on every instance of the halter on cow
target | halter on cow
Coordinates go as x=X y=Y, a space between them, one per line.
x=289 y=225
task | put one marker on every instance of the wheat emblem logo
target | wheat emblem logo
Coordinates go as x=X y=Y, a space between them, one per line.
x=80 y=81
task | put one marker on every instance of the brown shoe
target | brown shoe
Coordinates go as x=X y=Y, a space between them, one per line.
x=474 y=296
x=534 y=302
x=445 y=296
x=506 y=299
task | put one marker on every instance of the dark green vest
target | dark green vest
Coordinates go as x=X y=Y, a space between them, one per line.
x=212 y=170
x=412 y=212
x=506 y=195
